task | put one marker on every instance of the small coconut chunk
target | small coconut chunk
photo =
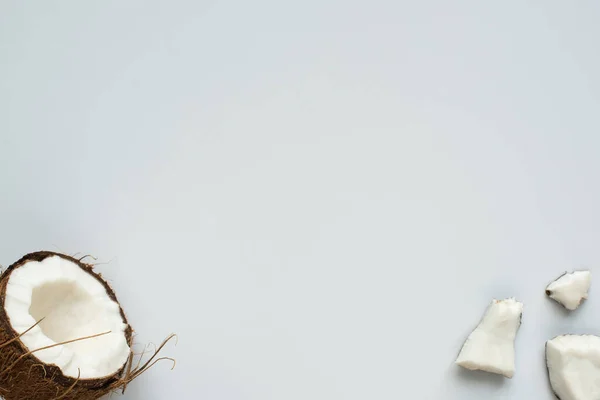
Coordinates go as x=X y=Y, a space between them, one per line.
x=573 y=363
x=491 y=346
x=570 y=289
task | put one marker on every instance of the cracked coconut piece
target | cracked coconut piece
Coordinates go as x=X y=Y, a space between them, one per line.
x=570 y=289
x=490 y=347
x=573 y=363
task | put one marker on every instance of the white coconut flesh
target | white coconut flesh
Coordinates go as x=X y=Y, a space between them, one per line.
x=574 y=366
x=570 y=289
x=491 y=346
x=73 y=304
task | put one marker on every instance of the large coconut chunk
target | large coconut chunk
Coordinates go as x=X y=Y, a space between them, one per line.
x=490 y=347
x=570 y=289
x=573 y=363
x=72 y=303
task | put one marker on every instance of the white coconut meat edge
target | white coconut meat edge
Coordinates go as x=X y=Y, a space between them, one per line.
x=491 y=346
x=570 y=289
x=73 y=304
x=573 y=363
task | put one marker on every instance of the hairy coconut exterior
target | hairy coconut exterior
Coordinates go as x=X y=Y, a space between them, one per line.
x=32 y=379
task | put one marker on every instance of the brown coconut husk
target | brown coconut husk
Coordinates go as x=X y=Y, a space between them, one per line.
x=23 y=376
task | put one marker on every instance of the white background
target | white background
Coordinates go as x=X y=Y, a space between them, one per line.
x=320 y=197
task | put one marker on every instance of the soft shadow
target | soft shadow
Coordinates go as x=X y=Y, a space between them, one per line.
x=560 y=308
x=563 y=311
x=469 y=377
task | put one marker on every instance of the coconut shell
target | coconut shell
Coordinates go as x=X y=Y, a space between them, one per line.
x=24 y=377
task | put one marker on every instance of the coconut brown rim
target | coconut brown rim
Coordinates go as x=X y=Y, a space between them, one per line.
x=24 y=376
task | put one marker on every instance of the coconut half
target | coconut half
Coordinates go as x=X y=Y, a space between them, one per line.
x=570 y=289
x=491 y=346
x=573 y=363
x=47 y=299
